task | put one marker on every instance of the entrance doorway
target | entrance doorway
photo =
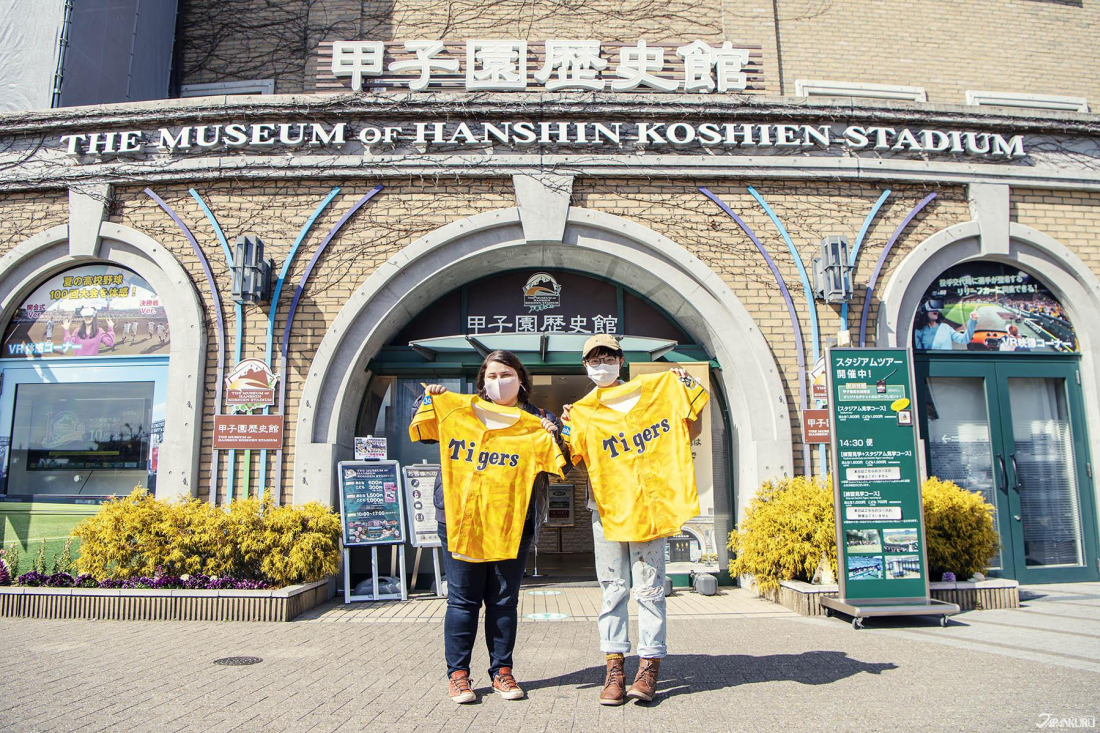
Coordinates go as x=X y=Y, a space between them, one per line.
x=565 y=549
x=1013 y=430
x=544 y=317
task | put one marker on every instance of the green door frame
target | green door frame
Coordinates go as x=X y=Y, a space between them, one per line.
x=995 y=373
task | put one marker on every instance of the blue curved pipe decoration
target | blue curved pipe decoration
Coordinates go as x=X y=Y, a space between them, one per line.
x=219 y=333
x=807 y=291
x=302 y=233
x=807 y=288
x=800 y=350
x=859 y=243
x=882 y=259
x=294 y=308
x=238 y=315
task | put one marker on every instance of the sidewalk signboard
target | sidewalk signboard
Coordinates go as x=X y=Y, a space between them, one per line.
x=419 y=500
x=882 y=562
x=371 y=513
x=423 y=526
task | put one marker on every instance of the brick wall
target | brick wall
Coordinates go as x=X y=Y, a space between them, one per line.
x=276 y=211
x=947 y=47
x=27 y=214
x=1071 y=217
x=407 y=209
x=809 y=213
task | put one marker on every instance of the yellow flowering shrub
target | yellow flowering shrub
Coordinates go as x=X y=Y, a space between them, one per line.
x=959 y=527
x=301 y=543
x=128 y=536
x=788 y=527
x=138 y=535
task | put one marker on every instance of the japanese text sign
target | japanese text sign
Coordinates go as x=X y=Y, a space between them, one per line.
x=876 y=476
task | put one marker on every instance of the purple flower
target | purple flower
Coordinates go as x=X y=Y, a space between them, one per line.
x=32 y=579
x=60 y=580
x=159 y=582
x=949 y=577
x=86 y=581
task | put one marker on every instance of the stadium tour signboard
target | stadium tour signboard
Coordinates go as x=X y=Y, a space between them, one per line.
x=881 y=552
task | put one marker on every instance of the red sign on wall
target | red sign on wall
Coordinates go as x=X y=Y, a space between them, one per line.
x=815 y=426
x=248 y=432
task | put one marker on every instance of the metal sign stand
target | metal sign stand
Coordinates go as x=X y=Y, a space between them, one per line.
x=375 y=596
x=535 y=573
x=435 y=567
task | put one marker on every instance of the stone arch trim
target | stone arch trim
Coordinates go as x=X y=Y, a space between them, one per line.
x=1071 y=280
x=26 y=265
x=599 y=243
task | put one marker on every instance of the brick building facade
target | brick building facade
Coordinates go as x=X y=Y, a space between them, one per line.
x=474 y=203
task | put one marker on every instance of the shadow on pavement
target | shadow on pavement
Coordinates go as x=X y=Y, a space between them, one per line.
x=684 y=673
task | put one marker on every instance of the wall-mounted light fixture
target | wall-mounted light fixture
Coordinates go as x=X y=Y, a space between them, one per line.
x=832 y=271
x=251 y=272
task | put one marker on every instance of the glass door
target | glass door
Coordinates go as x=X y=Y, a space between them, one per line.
x=1049 y=492
x=1013 y=431
x=961 y=430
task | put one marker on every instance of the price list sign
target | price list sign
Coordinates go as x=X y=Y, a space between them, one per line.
x=876 y=476
x=370 y=503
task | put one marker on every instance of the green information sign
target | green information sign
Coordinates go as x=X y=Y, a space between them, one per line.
x=876 y=477
x=371 y=506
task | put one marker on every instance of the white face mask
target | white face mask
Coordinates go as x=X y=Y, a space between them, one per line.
x=604 y=375
x=502 y=391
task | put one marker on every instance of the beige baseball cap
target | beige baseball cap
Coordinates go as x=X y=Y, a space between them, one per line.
x=600 y=339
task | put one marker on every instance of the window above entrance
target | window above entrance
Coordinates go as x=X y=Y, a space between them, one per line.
x=543 y=315
x=989 y=306
x=87 y=311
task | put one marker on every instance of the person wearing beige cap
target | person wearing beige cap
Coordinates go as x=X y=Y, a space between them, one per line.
x=621 y=565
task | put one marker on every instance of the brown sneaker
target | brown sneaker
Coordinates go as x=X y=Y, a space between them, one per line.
x=645 y=684
x=614 y=685
x=459 y=687
x=505 y=684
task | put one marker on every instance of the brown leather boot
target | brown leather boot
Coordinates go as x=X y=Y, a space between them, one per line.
x=645 y=684
x=614 y=685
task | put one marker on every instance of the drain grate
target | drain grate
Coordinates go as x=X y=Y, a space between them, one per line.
x=238 y=661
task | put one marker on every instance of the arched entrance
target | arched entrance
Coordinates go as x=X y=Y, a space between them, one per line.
x=594 y=243
x=1003 y=379
x=544 y=316
x=27 y=266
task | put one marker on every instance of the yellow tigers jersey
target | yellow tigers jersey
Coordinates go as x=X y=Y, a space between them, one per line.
x=487 y=472
x=639 y=462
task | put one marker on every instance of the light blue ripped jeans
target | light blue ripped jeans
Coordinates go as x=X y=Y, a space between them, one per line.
x=616 y=564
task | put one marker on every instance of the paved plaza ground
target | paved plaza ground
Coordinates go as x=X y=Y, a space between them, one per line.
x=739 y=663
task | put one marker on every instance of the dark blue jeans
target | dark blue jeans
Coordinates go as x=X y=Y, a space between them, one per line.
x=471 y=585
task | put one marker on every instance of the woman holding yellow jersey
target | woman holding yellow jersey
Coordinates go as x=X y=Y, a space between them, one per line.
x=634 y=442
x=502 y=380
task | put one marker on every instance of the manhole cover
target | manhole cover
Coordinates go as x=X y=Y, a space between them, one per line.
x=544 y=592
x=547 y=616
x=238 y=661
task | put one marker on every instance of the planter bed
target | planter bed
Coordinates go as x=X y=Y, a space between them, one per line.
x=283 y=604
x=805 y=599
